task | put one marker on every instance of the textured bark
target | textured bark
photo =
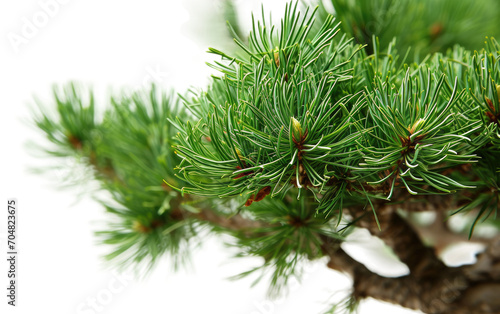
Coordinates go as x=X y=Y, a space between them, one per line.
x=431 y=294
x=398 y=234
x=431 y=286
x=421 y=203
x=234 y=222
x=439 y=235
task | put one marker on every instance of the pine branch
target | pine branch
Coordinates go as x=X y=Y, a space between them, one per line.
x=431 y=294
x=404 y=241
x=299 y=127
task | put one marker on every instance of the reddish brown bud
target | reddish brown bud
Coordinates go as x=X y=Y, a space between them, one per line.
x=250 y=200
x=75 y=141
x=262 y=193
x=242 y=174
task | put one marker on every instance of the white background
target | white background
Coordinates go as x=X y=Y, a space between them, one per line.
x=113 y=45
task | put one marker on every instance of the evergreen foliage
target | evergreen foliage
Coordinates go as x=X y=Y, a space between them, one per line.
x=427 y=26
x=301 y=124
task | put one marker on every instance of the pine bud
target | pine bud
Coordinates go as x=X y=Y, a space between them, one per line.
x=238 y=153
x=277 y=57
x=416 y=125
x=296 y=129
x=139 y=227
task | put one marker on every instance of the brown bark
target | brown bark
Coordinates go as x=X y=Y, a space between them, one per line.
x=235 y=222
x=452 y=290
x=428 y=294
x=404 y=241
x=431 y=286
x=440 y=236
